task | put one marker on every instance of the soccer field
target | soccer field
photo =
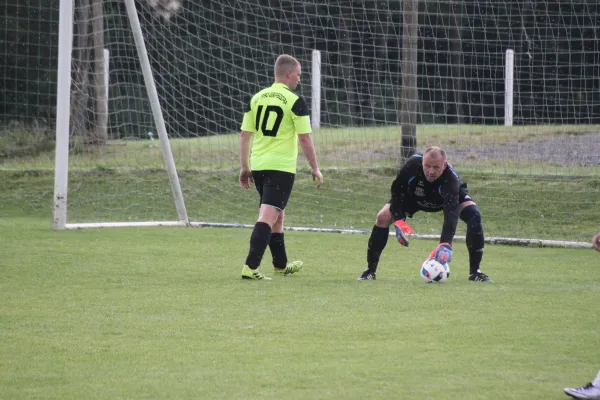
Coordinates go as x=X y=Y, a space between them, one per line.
x=163 y=313
x=120 y=124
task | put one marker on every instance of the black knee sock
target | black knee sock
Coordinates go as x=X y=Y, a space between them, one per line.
x=258 y=244
x=475 y=257
x=277 y=246
x=377 y=242
x=474 y=239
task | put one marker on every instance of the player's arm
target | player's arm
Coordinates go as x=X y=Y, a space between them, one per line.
x=245 y=140
x=399 y=187
x=248 y=129
x=308 y=148
x=399 y=191
x=301 y=120
x=449 y=191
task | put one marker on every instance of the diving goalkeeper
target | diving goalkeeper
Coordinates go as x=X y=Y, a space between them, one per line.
x=428 y=183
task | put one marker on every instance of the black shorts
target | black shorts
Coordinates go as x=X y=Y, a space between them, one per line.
x=463 y=195
x=409 y=207
x=274 y=187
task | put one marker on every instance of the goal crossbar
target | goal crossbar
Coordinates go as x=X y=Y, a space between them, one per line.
x=490 y=240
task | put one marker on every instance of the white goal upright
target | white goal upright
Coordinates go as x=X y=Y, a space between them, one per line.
x=150 y=97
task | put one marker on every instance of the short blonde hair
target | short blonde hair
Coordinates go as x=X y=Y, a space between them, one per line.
x=284 y=64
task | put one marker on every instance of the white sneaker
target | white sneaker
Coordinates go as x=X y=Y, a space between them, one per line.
x=588 y=391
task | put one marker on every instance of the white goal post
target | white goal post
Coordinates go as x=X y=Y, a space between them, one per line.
x=185 y=70
x=62 y=129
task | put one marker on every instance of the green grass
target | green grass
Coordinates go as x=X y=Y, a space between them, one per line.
x=336 y=147
x=163 y=313
x=512 y=206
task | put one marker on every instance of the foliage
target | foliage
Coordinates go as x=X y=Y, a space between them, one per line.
x=218 y=53
x=18 y=140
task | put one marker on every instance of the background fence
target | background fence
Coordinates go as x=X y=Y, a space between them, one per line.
x=227 y=49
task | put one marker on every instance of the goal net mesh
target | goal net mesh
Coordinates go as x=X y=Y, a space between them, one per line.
x=535 y=179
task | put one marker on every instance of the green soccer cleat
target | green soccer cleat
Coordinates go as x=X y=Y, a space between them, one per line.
x=253 y=274
x=291 y=268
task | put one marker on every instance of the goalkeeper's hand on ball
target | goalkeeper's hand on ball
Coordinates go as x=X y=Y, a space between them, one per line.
x=442 y=253
x=402 y=229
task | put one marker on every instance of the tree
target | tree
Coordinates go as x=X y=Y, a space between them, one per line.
x=347 y=97
x=456 y=10
x=101 y=103
x=90 y=14
x=410 y=95
x=81 y=67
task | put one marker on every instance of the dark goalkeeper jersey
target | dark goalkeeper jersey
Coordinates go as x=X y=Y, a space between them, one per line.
x=411 y=192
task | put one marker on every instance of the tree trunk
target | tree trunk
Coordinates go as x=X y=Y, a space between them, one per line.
x=101 y=100
x=346 y=94
x=410 y=95
x=457 y=11
x=81 y=67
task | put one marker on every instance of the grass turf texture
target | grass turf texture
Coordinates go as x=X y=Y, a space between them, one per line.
x=163 y=313
x=523 y=196
x=363 y=147
x=512 y=206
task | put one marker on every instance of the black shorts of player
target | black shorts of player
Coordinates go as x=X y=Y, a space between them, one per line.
x=274 y=187
x=410 y=208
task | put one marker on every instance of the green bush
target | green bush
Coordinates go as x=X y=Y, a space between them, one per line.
x=23 y=140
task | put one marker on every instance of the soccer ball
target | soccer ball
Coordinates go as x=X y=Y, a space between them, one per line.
x=433 y=271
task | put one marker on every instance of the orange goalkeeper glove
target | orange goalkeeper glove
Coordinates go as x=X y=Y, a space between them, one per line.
x=402 y=229
x=442 y=253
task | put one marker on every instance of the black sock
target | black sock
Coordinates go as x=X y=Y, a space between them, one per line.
x=377 y=241
x=277 y=246
x=475 y=257
x=258 y=244
x=475 y=240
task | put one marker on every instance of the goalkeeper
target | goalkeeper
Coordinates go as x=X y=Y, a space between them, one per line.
x=428 y=183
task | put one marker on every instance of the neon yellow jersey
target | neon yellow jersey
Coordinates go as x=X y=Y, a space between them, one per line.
x=276 y=116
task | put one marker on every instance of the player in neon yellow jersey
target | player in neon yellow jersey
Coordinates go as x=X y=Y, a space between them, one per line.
x=277 y=119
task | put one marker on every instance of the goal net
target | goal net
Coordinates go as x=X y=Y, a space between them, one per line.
x=510 y=90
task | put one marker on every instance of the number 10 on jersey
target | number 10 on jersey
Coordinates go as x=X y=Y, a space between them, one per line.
x=269 y=111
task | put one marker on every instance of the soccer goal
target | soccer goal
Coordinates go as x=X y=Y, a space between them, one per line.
x=151 y=95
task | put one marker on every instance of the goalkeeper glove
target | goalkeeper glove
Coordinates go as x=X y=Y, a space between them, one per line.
x=442 y=253
x=402 y=229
